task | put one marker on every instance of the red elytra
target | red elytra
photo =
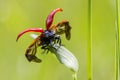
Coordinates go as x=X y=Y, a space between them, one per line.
x=50 y=17
x=49 y=21
x=29 y=30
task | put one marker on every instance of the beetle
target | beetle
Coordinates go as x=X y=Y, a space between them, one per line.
x=48 y=37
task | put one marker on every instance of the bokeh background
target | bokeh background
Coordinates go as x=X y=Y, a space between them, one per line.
x=17 y=15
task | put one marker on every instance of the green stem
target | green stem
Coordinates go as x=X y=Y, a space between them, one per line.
x=75 y=76
x=117 y=55
x=89 y=39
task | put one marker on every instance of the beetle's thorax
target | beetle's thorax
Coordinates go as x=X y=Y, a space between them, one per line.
x=47 y=37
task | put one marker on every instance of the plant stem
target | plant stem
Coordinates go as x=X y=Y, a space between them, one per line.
x=117 y=53
x=75 y=76
x=89 y=39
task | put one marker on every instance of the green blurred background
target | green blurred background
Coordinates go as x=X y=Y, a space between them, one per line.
x=17 y=15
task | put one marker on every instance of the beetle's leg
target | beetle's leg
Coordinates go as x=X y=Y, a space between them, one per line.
x=45 y=48
x=58 y=39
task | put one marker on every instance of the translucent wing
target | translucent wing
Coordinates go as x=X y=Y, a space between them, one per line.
x=63 y=27
x=32 y=49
